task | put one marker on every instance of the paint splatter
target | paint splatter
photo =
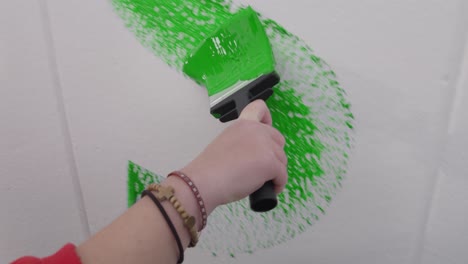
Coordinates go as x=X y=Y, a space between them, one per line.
x=308 y=106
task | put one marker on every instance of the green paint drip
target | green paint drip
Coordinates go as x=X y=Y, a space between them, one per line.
x=238 y=51
x=308 y=106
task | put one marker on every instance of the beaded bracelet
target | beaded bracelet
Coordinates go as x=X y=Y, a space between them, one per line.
x=167 y=193
x=196 y=192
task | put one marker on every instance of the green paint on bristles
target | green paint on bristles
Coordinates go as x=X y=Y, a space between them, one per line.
x=237 y=51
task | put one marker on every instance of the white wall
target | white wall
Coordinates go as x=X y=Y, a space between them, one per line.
x=38 y=202
x=79 y=96
x=446 y=233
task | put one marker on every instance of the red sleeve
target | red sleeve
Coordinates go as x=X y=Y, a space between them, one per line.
x=67 y=255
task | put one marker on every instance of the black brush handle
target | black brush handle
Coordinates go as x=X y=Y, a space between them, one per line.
x=264 y=199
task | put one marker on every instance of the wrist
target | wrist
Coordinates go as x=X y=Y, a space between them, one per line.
x=198 y=177
x=186 y=198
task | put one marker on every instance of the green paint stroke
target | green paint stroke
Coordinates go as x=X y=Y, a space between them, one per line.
x=308 y=106
x=172 y=29
x=138 y=179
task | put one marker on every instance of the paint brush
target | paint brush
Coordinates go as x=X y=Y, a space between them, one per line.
x=236 y=66
x=309 y=107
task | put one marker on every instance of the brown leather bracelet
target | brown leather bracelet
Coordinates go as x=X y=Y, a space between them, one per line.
x=169 y=223
x=196 y=192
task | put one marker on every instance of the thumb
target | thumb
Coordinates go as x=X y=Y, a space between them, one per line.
x=257 y=111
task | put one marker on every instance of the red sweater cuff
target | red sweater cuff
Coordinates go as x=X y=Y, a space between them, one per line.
x=67 y=254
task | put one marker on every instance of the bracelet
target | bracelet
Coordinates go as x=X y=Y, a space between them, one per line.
x=167 y=193
x=169 y=223
x=196 y=192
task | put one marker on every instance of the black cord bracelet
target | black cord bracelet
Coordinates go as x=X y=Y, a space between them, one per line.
x=169 y=223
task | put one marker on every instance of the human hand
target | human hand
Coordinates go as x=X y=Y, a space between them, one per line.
x=241 y=159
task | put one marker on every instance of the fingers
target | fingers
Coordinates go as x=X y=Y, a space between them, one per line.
x=282 y=166
x=281 y=156
x=281 y=179
x=277 y=137
x=257 y=111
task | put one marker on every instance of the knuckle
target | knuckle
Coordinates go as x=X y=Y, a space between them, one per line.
x=279 y=137
x=282 y=158
x=282 y=139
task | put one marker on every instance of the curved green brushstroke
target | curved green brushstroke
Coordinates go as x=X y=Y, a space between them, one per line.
x=308 y=106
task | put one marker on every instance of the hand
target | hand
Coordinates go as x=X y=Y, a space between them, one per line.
x=241 y=159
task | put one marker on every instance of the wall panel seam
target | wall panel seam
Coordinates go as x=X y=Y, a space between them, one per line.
x=63 y=118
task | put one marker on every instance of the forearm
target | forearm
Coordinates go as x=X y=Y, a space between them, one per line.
x=141 y=234
x=239 y=161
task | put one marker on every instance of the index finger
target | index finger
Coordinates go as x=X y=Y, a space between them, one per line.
x=257 y=111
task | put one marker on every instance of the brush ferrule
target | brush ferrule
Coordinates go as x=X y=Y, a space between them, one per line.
x=226 y=93
x=228 y=104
